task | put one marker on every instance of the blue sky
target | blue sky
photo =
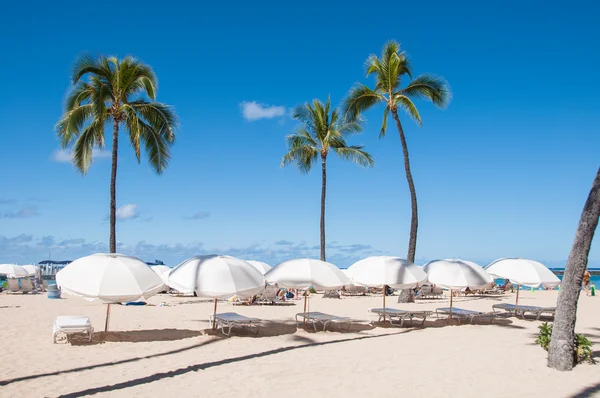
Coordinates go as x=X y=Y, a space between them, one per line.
x=503 y=171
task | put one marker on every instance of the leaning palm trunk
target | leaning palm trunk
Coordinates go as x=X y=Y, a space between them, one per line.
x=323 y=194
x=562 y=346
x=406 y=295
x=414 y=220
x=113 y=189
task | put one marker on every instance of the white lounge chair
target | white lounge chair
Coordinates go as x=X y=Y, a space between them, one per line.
x=66 y=325
x=463 y=314
x=229 y=320
x=323 y=319
x=522 y=309
x=27 y=286
x=401 y=315
x=12 y=285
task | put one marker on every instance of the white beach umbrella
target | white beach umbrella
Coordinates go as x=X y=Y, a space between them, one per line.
x=303 y=273
x=456 y=274
x=162 y=271
x=13 y=271
x=32 y=270
x=217 y=277
x=110 y=278
x=379 y=271
x=259 y=265
x=523 y=272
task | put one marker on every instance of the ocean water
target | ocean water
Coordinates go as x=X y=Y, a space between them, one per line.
x=595 y=279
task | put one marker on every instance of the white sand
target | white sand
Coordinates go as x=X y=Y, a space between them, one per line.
x=161 y=351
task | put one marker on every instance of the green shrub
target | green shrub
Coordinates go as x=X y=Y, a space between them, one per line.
x=583 y=346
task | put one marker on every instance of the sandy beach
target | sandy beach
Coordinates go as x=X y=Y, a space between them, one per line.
x=163 y=351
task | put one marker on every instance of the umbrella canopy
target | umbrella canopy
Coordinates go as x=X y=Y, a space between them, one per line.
x=259 y=265
x=523 y=272
x=32 y=270
x=110 y=278
x=306 y=272
x=217 y=276
x=13 y=271
x=457 y=274
x=162 y=271
x=384 y=270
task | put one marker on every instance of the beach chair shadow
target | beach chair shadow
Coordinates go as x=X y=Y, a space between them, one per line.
x=136 y=336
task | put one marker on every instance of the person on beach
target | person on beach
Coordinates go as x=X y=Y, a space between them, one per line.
x=586 y=282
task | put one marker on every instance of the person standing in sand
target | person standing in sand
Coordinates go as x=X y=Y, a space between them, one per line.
x=586 y=282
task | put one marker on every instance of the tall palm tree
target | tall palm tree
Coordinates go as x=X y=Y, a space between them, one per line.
x=389 y=69
x=121 y=92
x=318 y=134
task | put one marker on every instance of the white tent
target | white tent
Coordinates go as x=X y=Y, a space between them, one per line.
x=379 y=271
x=304 y=273
x=456 y=274
x=217 y=277
x=523 y=272
x=13 y=271
x=259 y=265
x=110 y=278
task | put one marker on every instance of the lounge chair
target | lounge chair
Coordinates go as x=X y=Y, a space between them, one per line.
x=401 y=315
x=269 y=296
x=66 y=325
x=229 y=320
x=13 y=285
x=27 y=286
x=354 y=290
x=424 y=292
x=324 y=319
x=522 y=309
x=462 y=314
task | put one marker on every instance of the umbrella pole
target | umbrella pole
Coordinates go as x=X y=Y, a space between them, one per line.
x=305 y=296
x=214 y=322
x=384 y=303
x=107 y=317
x=451 y=295
x=517 y=301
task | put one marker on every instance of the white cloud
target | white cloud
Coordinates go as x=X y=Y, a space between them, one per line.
x=66 y=155
x=252 y=111
x=25 y=212
x=127 y=212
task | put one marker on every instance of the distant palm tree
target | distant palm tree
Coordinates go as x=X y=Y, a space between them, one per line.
x=318 y=134
x=389 y=70
x=123 y=93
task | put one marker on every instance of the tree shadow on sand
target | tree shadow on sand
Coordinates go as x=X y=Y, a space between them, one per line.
x=207 y=365
x=108 y=364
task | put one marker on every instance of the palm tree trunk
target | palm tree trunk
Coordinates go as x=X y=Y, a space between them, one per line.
x=406 y=295
x=562 y=345
x=323 y=193
x=113 y=189
x=414 y=221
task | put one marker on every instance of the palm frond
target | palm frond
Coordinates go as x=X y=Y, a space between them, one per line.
x=359 y=100
x=355 y=154
x=71 y=123
x=409 y=107
x=384 y=123
x=133 y=127
x=136 y=77
x=91 y=137
x=78 y=95
x=156 y=146
x=429 y=87
x=160 y=116
x=85 y=64
x=303 y=155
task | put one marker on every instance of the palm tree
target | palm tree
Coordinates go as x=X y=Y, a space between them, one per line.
x=122 y=92
x=389 y=71
x=317 y=135
x=562 y=343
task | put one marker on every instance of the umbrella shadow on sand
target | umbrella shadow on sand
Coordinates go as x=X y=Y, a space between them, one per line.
x=135 y=336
